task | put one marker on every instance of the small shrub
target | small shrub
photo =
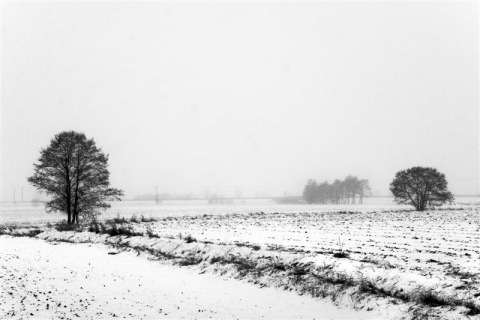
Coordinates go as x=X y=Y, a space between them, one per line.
x=151 y=233
x=298 y=271
x=216 y=259
x=113 y=230
x=341 y=254
x=473 y=308
x=367 y=286
x=145 y=219
x=254 y=247
x=34 y=232
x=119 y=219
x=128 y=231
x=190 y=260
x=63 y=226
x=430 y=298
x=240 y=262
x=189 y=239
x=279 y=266
x=95 y=227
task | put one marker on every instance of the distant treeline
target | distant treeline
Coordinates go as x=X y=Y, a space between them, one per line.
x=345 y=191
x=211 y=198
x=218 y=199
x=165 y=196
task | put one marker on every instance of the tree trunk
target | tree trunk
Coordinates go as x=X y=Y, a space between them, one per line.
x=69 y=208
x=68 y=192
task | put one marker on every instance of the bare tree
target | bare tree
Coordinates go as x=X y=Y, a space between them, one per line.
x=421 y=187
x=337 y=191
x=73 y=172
x=364 y=189
x=351 y=188
x=323 y=192
x=310 y=193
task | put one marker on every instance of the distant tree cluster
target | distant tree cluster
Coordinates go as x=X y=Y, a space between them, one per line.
x=218 y=199
x=165 y=196
x=346 y=191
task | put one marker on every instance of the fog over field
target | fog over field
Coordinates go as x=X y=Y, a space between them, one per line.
x=275 y=159
x=243 y=97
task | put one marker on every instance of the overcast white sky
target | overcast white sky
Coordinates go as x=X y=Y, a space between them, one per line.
x=258 y=97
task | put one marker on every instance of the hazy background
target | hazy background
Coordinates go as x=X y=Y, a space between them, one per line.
x=244 y=96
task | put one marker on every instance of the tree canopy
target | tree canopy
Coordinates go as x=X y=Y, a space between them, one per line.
x=421 y=187
x=73 y=171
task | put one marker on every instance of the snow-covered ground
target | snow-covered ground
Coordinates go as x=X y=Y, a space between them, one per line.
x=395 y=263
x=26 y=212
x=22 y=212
x=44 y=280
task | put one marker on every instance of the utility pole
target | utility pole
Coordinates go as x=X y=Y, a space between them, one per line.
x=13 y=195
x=156 y=194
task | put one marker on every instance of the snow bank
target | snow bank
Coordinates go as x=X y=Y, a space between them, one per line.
x=348 y=282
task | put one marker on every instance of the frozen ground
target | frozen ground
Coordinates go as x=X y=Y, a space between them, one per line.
x=44 y=280
x=387 y=262
x=25 y=212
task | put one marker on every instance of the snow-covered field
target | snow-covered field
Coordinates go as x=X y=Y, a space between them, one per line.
x=374 y=260
x=400 y=252
x=26 y=212
x=45 y=280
